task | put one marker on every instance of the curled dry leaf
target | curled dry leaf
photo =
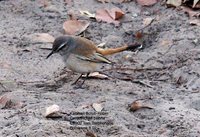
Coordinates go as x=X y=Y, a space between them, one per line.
x=97 y=107
x=90 y=134
x=75 y=27
x=147 y=2
x=43 y=37
x=98 y=75
x=103 y=15
x=52 y=111
x=8 y=102
x=137 y=105
x=196 y=4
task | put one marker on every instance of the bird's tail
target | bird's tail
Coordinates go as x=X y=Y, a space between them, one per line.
x=110 y=51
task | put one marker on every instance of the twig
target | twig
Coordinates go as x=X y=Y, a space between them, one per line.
x=45 y=48
x=130 y=79
x=136 y=69
x=142 y=83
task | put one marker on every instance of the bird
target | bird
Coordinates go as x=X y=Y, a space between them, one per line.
x=82 y=56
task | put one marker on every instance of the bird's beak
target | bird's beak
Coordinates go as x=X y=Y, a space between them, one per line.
x=49 y=54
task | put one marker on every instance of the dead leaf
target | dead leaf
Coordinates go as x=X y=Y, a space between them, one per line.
x=87 y=13
x=97 y=107
x=7 y=101
x=98 y=75
x=147 y=21
x=52 y=111
x=197 y=6
x=75 y=27
x=147 y=2
x=116 y=13
x=195 y=2
x=103 y=15
x=90 y=134
x=174 y=3
x=43 y=37
x=137 y=105
x=195 y=22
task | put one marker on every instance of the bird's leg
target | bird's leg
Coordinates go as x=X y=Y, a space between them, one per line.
x=85 y=78
x=77 y=80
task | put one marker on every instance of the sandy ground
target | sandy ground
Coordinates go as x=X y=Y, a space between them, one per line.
x=169 y=63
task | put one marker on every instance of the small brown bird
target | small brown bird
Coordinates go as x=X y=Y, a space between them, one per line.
x=82 y=56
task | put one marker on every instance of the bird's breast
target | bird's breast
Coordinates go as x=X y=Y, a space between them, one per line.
x=81 y=66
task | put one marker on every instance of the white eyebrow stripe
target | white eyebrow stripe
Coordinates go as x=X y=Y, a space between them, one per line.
x=61 y=46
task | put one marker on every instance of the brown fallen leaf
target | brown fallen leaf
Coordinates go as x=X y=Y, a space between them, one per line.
x=146 y=2
x=116 y=13
x=174 y=3
x=97 y=107
x=137 y=105
x=52 y=111
x=42 y=37
x=7 y=101
x=90 y=134
x=75 y=27
x=103 y=15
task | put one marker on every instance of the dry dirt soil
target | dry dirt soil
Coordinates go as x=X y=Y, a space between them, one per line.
x=164 y=75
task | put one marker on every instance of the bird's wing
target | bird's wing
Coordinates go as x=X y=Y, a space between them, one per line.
x=96 y=57
x=86 y=50
x=84 y=46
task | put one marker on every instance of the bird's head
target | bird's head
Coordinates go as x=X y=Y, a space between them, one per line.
x=60 y=45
